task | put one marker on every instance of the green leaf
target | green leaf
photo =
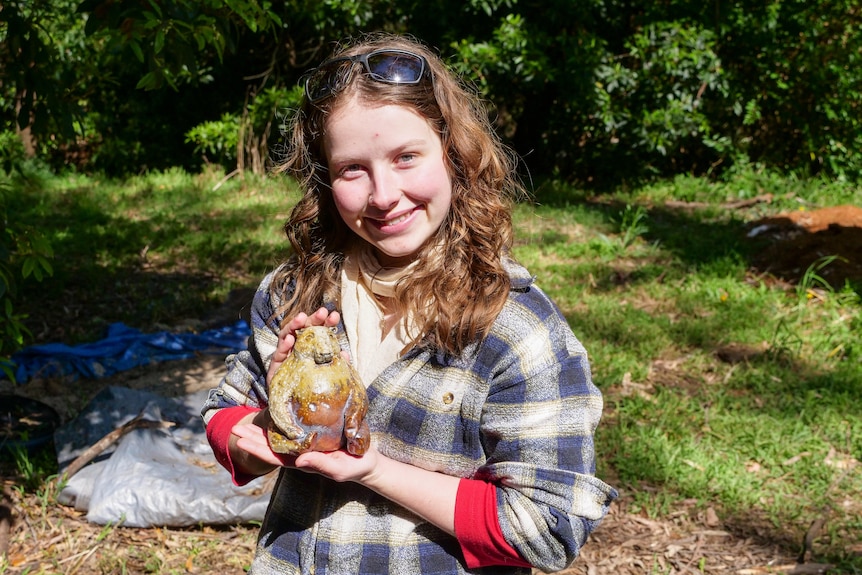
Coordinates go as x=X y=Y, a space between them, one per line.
x=46 y=265
x=41 y=245
x=150 y=81
x=155 y=6
x=8 y=367
x=159 y=42
x=28 y=267
x=136 y=48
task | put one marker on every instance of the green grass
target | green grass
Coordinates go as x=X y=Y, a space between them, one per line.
x=775 y=439
x=654 y=292
x=151 y=251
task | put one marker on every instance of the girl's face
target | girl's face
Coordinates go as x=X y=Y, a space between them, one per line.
x=389 y=178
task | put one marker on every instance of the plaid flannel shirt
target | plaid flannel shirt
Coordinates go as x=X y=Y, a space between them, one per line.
x=518 y=409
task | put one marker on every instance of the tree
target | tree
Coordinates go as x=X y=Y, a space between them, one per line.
x=33 y=91
x=594 y=91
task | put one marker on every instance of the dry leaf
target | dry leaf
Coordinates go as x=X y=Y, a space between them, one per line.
x=843 y=462
x=795 y=458
x=712 y=519
x=673 y=550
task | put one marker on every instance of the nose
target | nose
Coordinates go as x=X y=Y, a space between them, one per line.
x=385 y=190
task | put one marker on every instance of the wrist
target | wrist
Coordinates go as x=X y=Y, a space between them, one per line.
x=378 y=472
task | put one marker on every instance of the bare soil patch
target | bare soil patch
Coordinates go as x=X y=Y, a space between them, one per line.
x=798 y=240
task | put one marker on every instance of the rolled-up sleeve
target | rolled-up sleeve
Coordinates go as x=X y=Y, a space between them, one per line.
x=245 y=381
x=537 y=424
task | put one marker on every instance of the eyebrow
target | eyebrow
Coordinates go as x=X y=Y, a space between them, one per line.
x=420 y=142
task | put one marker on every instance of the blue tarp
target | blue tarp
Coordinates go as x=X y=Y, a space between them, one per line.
x=124 y=348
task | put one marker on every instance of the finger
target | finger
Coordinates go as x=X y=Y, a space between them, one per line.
x=337 y=465
x=259 y=451
x=332 y=319
x=252 y=439
x=312 y=461
x=249 y=432
x=285 y=343
x=319 y=317
x=298 y=321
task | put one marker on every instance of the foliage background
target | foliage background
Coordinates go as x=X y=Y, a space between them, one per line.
x=597 y=92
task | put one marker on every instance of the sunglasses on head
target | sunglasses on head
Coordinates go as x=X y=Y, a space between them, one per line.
x=387 y=66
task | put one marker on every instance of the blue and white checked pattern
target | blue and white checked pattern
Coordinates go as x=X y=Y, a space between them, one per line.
x=518 y=409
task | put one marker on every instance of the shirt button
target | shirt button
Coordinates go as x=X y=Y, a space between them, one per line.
x=448 y=398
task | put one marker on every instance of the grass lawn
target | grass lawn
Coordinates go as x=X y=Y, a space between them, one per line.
x=730 y=383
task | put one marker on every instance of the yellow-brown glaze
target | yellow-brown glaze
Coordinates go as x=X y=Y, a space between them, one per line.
x=316 y=400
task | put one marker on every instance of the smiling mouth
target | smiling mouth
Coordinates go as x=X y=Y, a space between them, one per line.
x=395 y=221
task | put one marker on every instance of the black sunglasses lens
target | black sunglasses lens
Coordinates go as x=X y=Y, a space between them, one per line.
x=320 y=83
x=395 y=67
x=390 y=66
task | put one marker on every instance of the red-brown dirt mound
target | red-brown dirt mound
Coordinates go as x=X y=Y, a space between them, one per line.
x=802 y=239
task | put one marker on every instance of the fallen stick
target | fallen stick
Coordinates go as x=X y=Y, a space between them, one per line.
x=138 y=422
x=5 y=520
x=817 y=525
x=792 y=569
x=734 y=205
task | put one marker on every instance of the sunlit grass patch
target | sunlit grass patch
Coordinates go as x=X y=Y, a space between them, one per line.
x=154 y=249
x=721 y=385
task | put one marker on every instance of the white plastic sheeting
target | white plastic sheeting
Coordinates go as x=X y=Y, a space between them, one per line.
x=153 y=477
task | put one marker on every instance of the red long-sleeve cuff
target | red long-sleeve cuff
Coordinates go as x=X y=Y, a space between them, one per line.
x=218 y=434
x=478 y=528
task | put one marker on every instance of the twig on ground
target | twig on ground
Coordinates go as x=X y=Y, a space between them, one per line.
x=6 y=504
x=817 y=525
x=94 y=450
x=766 y=198
x=794 y=569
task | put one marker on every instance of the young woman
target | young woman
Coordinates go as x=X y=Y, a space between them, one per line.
x=481 y=405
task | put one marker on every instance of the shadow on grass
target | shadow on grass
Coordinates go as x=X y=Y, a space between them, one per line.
x=780 y=247
x=695 y=238
x=152 y=272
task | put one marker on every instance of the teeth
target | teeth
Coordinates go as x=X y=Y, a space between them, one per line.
x=395 y=221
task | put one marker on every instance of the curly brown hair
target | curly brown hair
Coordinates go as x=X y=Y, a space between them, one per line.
x=454 y=297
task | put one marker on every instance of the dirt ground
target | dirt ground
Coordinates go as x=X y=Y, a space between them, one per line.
x=39 y=537
x=798 y=240
x=689 y=540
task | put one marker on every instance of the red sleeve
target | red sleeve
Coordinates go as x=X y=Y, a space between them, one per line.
x=478 y=528
x=218 y=434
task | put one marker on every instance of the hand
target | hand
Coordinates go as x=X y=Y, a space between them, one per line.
x=337 y=465
x=258 y=456
x=287 y=335
x=390 y=478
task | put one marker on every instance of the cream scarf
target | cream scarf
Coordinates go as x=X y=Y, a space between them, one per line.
x=377 y=335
